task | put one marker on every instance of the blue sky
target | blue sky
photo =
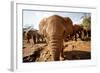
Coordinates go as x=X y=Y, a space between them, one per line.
x=32 y=18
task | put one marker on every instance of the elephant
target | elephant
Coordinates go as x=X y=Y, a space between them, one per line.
x=31 y=34
x=53 y=28
x=67 y=35
x=24 y=37
x=86 y=34
x=42 y=29
x=34 y=34
x=77 y=31
x=40 y=37
x=42 y=26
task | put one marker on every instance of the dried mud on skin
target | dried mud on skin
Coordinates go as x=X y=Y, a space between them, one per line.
x=73 y=50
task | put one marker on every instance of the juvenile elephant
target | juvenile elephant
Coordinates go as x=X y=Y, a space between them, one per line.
x=53 y=28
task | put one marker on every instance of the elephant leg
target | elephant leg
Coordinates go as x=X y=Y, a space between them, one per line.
x=85 y=34
x=38 y=38
x=42 y=38
x=80 y=34
x=34 y=39
x=28 y=40
x=75 y=36
x=89 y=34
x=62 y=54
x=61 y=50
x=72 y=36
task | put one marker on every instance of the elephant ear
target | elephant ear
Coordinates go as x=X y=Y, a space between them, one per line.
x=68 y=25
x=42 y=26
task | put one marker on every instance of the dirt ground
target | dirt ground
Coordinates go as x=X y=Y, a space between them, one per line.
x=73 y=50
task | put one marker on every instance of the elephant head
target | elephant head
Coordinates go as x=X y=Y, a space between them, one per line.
x=54 y=27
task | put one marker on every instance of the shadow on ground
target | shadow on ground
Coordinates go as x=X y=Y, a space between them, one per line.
x=77 y=55
x=68 y=55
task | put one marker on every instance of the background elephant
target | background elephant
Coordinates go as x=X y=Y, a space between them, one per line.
x=42 y=26
x=42 y=29
x=86 y=34
x=77 y=31
x=31 y=34
x=54 y=28
x=35 y=36
x=39 y=37
x=69 y=30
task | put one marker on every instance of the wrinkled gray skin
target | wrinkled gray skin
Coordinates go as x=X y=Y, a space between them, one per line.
x=53 y=28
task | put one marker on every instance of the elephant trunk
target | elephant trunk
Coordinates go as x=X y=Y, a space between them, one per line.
x=55 y=43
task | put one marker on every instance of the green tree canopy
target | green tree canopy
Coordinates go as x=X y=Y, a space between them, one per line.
x=86 y=22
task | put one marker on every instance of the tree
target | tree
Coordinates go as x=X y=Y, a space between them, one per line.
x=86 y=22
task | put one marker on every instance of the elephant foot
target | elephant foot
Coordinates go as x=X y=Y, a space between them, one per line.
x=62 y=59
x=55 y=55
